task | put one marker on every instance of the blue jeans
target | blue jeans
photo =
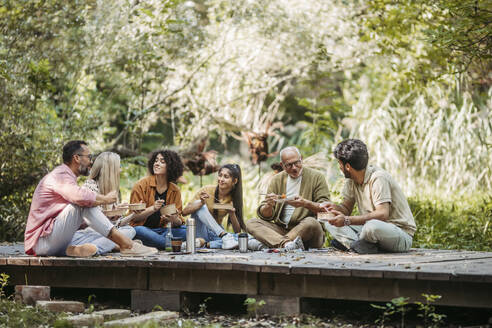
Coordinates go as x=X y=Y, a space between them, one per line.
x=156 y=237
x=204 y=221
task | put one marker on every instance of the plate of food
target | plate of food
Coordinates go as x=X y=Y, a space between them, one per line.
x=169 y=209
x=325 y=216
x=219 y=206
x=137 y=206
x=283 y=198
x=115 y=212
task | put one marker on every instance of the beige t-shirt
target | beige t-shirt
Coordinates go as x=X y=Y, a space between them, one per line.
x=210 y=190
x=378 y=188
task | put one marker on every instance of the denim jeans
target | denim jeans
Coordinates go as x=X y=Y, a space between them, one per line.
x=104 y=245
x=156 y=237
x=207 y=228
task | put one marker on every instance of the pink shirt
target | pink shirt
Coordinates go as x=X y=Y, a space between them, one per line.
x=55 y=191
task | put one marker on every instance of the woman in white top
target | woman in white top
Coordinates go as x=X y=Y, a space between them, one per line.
x=103 y=178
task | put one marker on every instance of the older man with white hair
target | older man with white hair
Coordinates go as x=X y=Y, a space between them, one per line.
x=286 y=217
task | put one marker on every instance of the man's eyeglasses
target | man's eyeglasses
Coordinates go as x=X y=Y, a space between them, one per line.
x=88 y=155
x=297 y=163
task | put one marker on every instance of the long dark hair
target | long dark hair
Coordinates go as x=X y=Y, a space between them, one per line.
x=236 y=193
x=174 y=165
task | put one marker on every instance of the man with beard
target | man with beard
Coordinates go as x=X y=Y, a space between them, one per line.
x=385 y=222
x=287 y=214
x=59 y=206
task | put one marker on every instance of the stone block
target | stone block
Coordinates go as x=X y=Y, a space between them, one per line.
x=159 y=316
x=86 y=320
x=61 y=306
x=114 y=314
x=30 y=294
x=146 y=300
x=278 y=305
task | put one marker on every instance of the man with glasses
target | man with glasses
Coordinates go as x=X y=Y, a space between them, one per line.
x=287 y=214
x=59 y=206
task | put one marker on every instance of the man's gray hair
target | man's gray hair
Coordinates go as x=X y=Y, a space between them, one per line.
x=290 y=148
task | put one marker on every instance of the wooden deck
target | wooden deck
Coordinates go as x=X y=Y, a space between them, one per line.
x=462 y=278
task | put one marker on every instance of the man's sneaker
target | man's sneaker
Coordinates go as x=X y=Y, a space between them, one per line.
x=338 y=245
x=295 y=244
x=362 y=246
x=229 y=242
x=84 y=250
x=199 y=243
x=256 y=245
x=138 y=250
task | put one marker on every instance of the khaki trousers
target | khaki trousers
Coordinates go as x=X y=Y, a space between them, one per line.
x=274 y=235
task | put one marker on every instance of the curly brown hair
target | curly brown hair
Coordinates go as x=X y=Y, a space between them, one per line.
x=173 y=163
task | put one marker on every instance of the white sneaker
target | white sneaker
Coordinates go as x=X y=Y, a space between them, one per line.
x=199 y=242
x=256 y=245
x=138 y=250
x=295 y=244
x=229 y=242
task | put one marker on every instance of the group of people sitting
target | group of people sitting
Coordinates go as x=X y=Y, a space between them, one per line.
x=68 y=219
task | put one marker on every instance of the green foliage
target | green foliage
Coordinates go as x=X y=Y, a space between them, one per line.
x=400 y=305
x=203 y=306
x=4 y=279
x=396 y=305
x=14 y=314
x=453 y=223
x=428 y=311
x=252 y=306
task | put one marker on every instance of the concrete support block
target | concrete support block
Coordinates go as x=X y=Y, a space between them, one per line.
x=159 y=316
x=146 y=300
x=86 y=320
x=114 y=314
x=30 y=294
x=61 y=306
x=278 y=305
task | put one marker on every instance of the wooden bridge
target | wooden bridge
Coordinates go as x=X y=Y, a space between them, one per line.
x=284 y=280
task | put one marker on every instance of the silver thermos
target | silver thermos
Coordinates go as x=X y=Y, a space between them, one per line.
x=243 y=242
x=190 y=235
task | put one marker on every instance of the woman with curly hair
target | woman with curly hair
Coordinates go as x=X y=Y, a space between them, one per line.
x=157 y=190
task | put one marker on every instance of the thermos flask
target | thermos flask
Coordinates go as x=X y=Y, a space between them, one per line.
x=190 y=235
x=243 y=242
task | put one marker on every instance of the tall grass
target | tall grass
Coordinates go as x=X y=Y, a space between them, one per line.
x=436 y=140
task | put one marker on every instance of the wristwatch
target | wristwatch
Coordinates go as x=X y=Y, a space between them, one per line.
x=346 y=221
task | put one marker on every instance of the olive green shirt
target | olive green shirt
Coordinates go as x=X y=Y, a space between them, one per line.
x=313 y=188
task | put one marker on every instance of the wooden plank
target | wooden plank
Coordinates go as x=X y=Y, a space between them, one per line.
x=400 y=274
x=305 y=269
x=246 y=267
x=212 y=281
x=275 y=269
x=78 y=277
x=367 y=273
x=218 y=266
x=18 y=261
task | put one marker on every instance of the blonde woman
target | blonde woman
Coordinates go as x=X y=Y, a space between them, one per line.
x=103 y=178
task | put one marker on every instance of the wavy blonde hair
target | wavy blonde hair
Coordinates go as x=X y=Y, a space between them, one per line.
x=106 y=172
